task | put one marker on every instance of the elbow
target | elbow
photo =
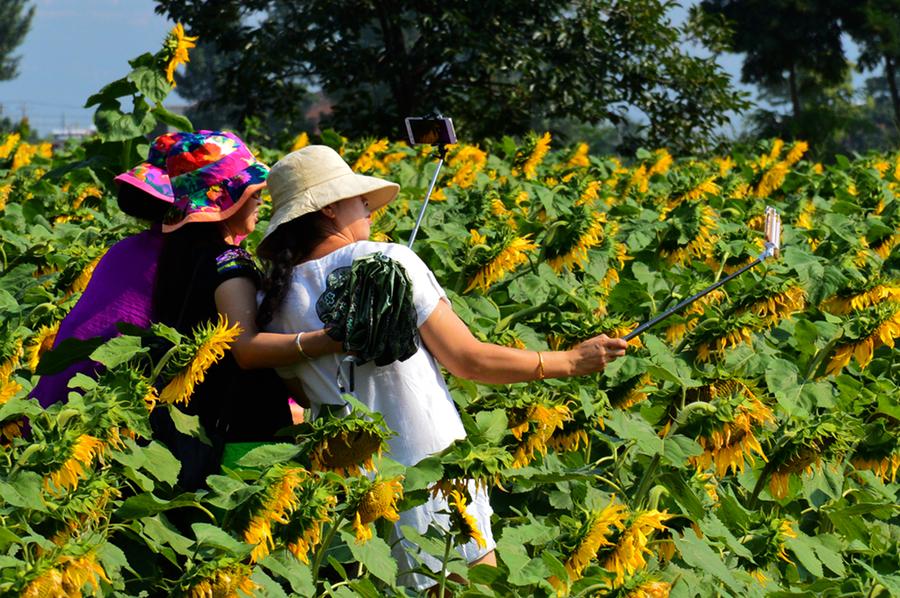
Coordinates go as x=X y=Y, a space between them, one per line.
x=244 y=358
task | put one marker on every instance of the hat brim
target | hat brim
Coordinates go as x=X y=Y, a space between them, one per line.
x=218 y=216
x=377 y=192
x=152 y=180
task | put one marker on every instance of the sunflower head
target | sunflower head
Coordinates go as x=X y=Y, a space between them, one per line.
x=379 y=501
x=193 y=358
x=175 y=51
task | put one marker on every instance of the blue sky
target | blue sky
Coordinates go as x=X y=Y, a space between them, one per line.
x=77 y=46
x=73 y=49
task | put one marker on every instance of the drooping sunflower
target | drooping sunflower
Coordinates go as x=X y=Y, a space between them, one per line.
x=529 y=158
x=712 y=338
x=589 y=234
x=595 y=533
x=774 y=307
x=501 y=262
x=870 y=329
x=378 y=502
x=693 y=234
x=303 y=533
x=468 y=161
x=175 y=50
x=727 y=433
x=279 y=501
x=879 y=452
x=772 y=179
x=344 y=445
x=857 y=299
x=368 y=161
x=40 y=343
x=220 y=581
x=579 y=157
x=690 y=317
x=801 y=449
x=81 y=455
x=534 y=426
x=627 y=556
x=66 y=577
x=462 y=524
x=207 y=347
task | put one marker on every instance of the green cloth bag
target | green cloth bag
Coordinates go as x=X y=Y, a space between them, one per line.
x=368 y=306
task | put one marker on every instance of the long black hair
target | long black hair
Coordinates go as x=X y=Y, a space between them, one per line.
x=177 y=268
x=286 y=247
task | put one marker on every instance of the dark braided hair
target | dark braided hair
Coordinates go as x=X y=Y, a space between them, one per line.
x=286 y=247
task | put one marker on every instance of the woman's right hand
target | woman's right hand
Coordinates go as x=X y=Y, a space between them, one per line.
x=595 y=354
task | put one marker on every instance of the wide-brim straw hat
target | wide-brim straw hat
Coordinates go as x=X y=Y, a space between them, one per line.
x=316 y=176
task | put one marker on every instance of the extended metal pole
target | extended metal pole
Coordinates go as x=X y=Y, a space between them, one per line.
x=415 y=231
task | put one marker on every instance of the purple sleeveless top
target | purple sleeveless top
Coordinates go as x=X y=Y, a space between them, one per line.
x=120 y=290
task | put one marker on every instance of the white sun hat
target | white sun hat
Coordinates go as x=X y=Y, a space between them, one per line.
x=315 y=176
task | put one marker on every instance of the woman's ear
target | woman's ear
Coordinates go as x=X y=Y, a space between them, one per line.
x=329 y=212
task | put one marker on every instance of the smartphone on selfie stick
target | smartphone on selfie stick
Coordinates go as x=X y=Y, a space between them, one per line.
x=433 y=130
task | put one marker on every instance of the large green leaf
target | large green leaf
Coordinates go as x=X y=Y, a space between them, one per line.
x=374 y=555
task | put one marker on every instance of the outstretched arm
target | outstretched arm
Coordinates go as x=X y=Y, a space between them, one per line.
x=453 y=345
x=236 y=299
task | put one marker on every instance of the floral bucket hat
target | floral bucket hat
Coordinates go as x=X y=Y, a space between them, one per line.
x=209 y=171
x=151 y=176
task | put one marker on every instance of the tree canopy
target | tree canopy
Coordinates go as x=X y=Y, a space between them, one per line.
x=15 y=21
x=496 y=67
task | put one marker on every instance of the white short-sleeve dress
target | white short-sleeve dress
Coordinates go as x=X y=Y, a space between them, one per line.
x=411 y=395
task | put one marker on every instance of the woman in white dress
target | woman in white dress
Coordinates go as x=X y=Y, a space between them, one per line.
x=320 y=222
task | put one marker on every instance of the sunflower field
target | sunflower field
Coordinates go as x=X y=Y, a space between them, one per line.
x=747 y=446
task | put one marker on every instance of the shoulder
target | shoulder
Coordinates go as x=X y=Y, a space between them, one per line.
x=231 y=261
x=395 y=251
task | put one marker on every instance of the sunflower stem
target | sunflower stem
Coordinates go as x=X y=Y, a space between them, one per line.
x=722 y=266
x=448 y=544
x=323 y=548
x=646 y=480
x=157 y=371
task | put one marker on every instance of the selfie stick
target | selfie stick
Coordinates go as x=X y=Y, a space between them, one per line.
x=443 y=152
x=772 y=248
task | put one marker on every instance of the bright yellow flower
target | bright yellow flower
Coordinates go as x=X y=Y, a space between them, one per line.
x=796 y=153
x=774 y=308
x=301 y=141
x=213 y=342
x=5 y=190
x=85 y=449
x=640 y=179
x=843 y=305
x=24 y=154
x=536 y=429
x=476 y=238
x=379 y=502
x=590 y=194
x=725 y=165
x=367 y=160
x=676 y=332
x=818 y=168
x=84 y=278
x=462 y=521
x=777 y=146
x=599 y=527
x=541 y=147
x=885 y=468
x=718 y=346
x=772 y=180
x=346 y=456
x=785 y=530
x=862 y=350
x=177 y=44
x=41 y=343
x=579 y=158
x=469 y=160
x=512 y=256
x=577 y=255
x=651 y=589
x=628 y=555
x=707 y=187
x=663 y=162
x=66 y=578
x=701 y=245
x=8 y=145
x=281 y=500
x=225 y=583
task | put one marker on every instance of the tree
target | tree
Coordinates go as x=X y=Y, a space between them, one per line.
x=875 y=26
x=796 y=43
x=15 y=21
x=495 y=67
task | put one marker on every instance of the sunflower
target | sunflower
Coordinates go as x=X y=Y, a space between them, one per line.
x=595 y=534
x=661 y=165
x=84 y=278
x=627 y=556
x=804 y=448
x=691 y=315
x=724 y=165
x=23 y=156
x=639 y=180
x=883 y=326
x=651 y=589
x=280 y=501
x=8 y=145
x=534 y=428
x=348 y=450
x=540 y=149
x=67 y=577
x=773 y=308
x=579 y=157
x=844 y=304
x=772 y=180
x=736 y=331
x=176 y=49
x=785 y=530
x=702 y=243
x=576 y=256
x=514 y=254
x=368 y=161
x=634 y=392
x=40 y=343
x=590 y=194
x=225 y=581
x=469 y=160
x=208 y=347
x=462 y=523
x=727 y=435
x=85 y=449
x=798 y=149
x=379 y=502
x=300 y=141
x=8 y=386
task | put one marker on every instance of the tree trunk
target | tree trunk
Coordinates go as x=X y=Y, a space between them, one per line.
x=891 y=76
x=795 y=94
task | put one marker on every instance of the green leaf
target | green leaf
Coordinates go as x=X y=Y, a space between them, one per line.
x=8 y=304
x=285 y=565
x=151 y=82
x=210 y=535
x=118 y=350
x=803 y=548
x=145 y=504
x=163 y=534
x=269 y=586
x=188 y=424
x=375 y=555
x=630 y=426
x=69 y=351
x=114 y=125
x=117 y=89
x=178 y=121
x=423 y=474
x=712 y=526
x=697 y=553
x=269 y=454
x=113 y=559
x=24 y=491
x=492 y=425
x=161 y=463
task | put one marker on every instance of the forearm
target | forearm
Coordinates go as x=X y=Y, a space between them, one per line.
x=269 y=349
x=493 y=364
